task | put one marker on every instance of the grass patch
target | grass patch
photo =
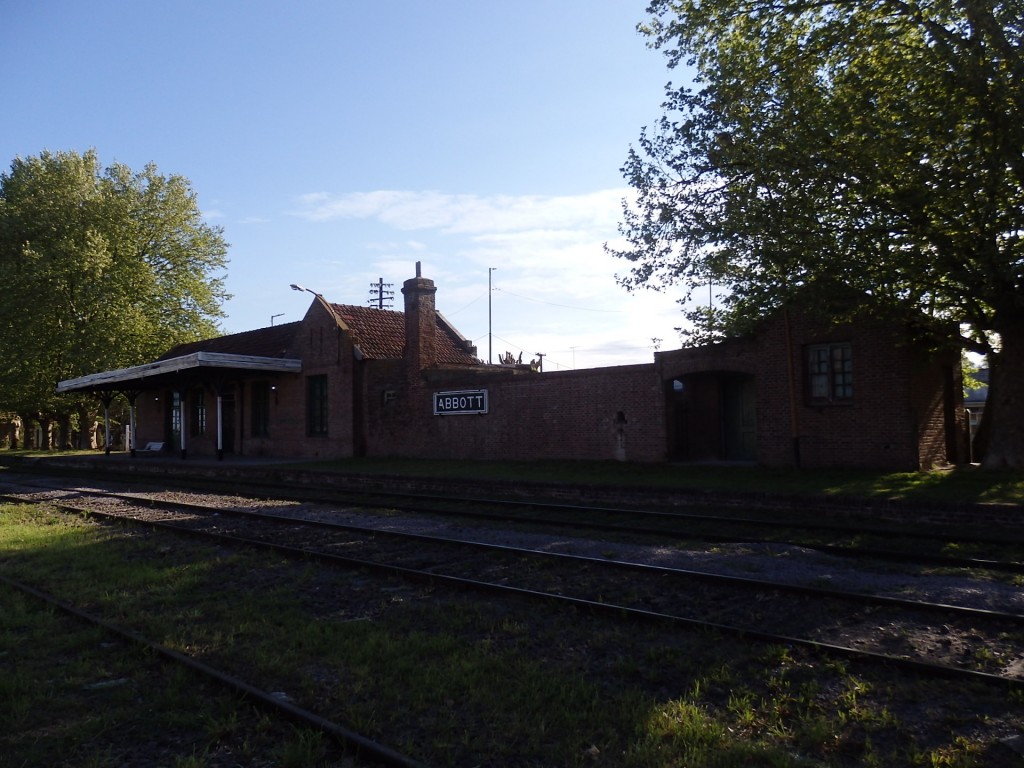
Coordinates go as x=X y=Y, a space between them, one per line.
x=72 y=695
x=960 y=485
x=447 y=678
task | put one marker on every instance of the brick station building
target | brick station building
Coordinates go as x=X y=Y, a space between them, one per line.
x=356 y=381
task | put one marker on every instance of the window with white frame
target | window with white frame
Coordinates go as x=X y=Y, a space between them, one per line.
x=198 y=413
x=830 y=373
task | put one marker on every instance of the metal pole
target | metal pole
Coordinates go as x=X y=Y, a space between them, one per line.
x=220 y=428
x=106 y=428
x=131 y=427
x=490 y=346
x=181 y=424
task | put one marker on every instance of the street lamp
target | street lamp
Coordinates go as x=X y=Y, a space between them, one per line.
x=338 y=322
x=320 y=298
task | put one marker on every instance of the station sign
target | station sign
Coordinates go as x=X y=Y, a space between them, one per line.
x=460 y=402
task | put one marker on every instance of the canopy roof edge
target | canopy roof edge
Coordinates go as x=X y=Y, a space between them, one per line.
x=137 y=374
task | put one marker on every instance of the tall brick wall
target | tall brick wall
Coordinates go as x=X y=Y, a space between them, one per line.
x=902 y=415
x=324 y=350
x=600 y=414
x=877 y=427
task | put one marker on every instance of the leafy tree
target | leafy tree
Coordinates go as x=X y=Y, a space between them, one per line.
x=864 y=148
x=101 y=269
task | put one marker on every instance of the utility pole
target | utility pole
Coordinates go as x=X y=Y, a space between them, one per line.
x=379 y=295
x=490 y=345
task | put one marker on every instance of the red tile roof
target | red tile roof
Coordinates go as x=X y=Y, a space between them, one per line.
x=379 y=334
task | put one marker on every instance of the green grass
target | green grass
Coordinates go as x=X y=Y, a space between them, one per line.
x=449 y=679
x=959 y=485
x=73 y=695
x=962 y=485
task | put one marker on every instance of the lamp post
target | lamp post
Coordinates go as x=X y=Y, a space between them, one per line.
x=320 y=298
x=327 y=305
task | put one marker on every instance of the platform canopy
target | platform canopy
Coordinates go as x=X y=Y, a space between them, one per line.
x=169 y=372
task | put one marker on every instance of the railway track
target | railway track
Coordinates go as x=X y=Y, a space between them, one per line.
x=922 y=635
x=372 y=754
x=926 y=545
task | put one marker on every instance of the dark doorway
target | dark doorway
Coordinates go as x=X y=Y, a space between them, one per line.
x=739 y=418
x=679 y=421
x=227 y=409
x=712 y=416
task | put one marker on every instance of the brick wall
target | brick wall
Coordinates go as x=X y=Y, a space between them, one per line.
x=601 y=414
x=324 y=350
x=902 y=415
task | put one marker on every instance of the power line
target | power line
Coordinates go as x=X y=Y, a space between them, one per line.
x=466 y=306
x=563 y=306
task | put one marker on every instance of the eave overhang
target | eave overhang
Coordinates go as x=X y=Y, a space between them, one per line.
x=149 y=375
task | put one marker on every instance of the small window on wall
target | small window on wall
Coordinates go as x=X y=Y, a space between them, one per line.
x=830 y=373
x=260 y=408
x=198 y=413
x=316 y=405
x=176 y=417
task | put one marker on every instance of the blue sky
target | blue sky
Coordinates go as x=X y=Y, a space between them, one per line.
x=339 y=142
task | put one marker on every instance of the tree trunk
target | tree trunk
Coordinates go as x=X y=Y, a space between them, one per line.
x=27 y=431
x=1004 y=408
x=85 y=435
x=47 y=433
x=64 y=431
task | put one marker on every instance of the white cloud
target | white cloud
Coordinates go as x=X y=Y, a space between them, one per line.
x=554 y=287
x=469 y=214
x=395 y=245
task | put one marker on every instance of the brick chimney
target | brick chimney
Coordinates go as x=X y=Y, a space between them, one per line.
x=420 y=325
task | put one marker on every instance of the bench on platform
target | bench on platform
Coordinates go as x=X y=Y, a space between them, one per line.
x=152 y=448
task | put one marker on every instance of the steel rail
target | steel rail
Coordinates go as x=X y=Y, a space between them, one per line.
x=889 y=555
x=684 y=516
x=886 y=555
x=361 y=744
x=914 y=665
x=744 y=581
x=831 y=549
